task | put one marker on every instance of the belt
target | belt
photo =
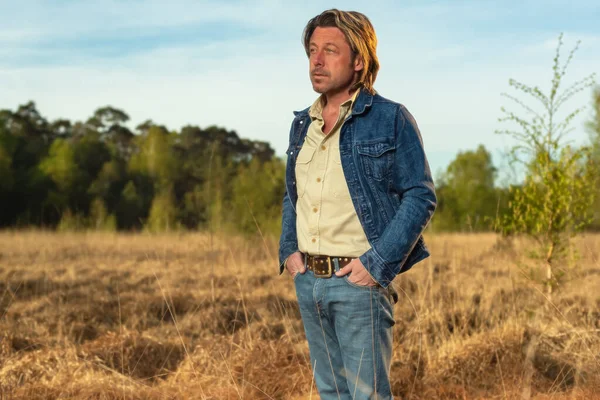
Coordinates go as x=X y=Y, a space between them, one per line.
x=322 y=266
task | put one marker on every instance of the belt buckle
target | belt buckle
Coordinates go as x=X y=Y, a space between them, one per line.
x=326 y=274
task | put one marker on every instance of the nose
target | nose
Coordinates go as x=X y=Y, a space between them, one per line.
x=317 y=58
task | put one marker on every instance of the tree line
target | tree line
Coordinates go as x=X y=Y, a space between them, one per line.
x=100 y=175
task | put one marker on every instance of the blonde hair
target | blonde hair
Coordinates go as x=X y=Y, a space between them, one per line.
x=360 y=35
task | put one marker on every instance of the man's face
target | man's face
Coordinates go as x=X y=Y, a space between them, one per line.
x=332 y=65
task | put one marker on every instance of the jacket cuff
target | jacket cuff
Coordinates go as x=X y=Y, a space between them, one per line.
x=379 y=270
x=283 y=266
x=285 y=250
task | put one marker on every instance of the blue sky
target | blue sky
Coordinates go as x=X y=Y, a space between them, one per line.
x=240 y=64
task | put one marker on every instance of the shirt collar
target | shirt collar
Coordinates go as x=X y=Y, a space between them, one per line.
x=316 y=110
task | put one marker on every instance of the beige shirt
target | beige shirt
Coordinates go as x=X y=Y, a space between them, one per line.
x=326 y=223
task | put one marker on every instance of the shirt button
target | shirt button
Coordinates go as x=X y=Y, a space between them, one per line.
x=314 y=240
x=318 y=179
x=315 y=209
x=323 y=147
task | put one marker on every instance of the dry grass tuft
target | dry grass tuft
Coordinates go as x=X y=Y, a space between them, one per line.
x=481 y=360
x=254 y=369
x=50 y=367
x=134 y=355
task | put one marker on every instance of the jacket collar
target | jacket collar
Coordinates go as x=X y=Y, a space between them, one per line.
x=363 y=100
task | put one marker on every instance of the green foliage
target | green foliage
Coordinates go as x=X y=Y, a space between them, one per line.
x=593 y=127
x=6 y=172
x=109 y=183
x=217 y=190
x=468 y=198
x=71 y=222
x=90 y=154
x=130 y=209
x=25 y=139
x=258 y=189
x=60 y=165
x=61 y=168
x=106 y=117
x=100 y=219
x=155 y=157
x=163 y=213
x=216 y=210
x=554 y=202
x=194 y=207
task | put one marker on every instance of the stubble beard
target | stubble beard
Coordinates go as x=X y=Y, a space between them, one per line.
x=318 y=81
x=331 y=87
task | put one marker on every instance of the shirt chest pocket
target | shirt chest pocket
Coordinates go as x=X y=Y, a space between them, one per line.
x=376 y=159
x=336 y=180
x=302 y=168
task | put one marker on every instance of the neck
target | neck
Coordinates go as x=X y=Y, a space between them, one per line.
x=334 y=100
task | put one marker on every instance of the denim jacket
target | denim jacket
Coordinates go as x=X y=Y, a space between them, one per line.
x=388 y=178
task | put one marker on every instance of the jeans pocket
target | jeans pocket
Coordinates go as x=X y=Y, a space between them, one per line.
x=362 y=287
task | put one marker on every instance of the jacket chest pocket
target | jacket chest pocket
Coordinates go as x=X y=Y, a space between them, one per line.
x=376 y=159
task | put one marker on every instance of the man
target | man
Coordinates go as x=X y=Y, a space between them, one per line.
x=359 y=194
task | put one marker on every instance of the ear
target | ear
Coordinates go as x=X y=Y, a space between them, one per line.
x=358 y=63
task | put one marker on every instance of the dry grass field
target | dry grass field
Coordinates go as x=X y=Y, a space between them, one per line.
x=193 y=316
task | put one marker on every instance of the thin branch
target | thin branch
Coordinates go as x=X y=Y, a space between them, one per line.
x=519 y=102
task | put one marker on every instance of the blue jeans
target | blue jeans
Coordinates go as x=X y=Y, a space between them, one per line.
x=349 y=333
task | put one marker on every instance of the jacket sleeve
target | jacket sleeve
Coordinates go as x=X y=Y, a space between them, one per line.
x=413 y=183
x=288 y=241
